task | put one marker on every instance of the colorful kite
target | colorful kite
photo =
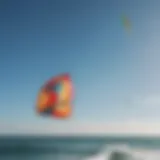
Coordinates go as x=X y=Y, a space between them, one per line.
x=55 y=97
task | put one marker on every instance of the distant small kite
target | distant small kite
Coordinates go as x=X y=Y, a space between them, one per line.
x=126 y=23
x=55 y=97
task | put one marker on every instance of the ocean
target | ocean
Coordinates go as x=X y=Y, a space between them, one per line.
x=79 y=148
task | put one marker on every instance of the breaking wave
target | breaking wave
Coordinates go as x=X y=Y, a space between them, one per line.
x=124 y=152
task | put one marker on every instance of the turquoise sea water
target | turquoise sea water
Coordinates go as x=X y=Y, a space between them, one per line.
x=76 y=148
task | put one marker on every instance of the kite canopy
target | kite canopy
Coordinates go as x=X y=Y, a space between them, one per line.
x=55 y=97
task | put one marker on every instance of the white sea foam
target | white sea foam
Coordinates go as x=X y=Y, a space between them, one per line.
x=124 y=152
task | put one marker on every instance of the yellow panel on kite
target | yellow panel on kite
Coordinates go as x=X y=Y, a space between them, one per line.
x=55 y=97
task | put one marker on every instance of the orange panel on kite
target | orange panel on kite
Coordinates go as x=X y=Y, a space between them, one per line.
x=55 y=97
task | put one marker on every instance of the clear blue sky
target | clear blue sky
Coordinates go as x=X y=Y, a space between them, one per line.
x=115 y=74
